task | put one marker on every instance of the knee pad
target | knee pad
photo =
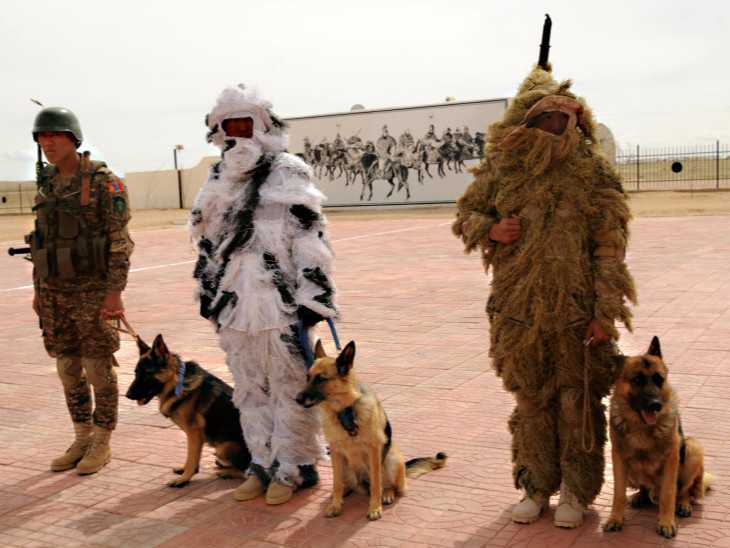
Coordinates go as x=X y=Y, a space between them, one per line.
x=70 y=370
x=571 y=406
x=100 y=372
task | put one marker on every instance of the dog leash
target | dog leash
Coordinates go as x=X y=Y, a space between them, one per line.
x=587 y=415
x=129 y=329
x=304 y=341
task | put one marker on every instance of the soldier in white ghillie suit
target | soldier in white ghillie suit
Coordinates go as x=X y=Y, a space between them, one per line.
x=265 y=266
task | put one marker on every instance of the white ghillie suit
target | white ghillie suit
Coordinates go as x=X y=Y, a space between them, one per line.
x=264 y=263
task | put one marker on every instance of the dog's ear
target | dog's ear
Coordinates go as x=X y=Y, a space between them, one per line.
x=142 y=345
x=319 y=350
x=618 y=364
x=159 y=347
x=654 y=349
x=345 y=359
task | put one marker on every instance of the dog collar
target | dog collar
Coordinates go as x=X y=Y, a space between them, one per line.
x=181 y=378
x=348 y=418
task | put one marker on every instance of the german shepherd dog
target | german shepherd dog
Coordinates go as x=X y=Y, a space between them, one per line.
x=649 y=450
x=201 y=406
x=358 y=433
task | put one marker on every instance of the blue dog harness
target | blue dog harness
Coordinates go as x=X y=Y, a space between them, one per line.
x=181 y=378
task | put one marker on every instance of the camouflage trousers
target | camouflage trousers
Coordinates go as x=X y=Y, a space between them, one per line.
x=84 y=346
x=71 y=324
x=76 y=374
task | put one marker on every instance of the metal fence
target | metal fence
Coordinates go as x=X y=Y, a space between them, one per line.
x=676 y=168
x=16 y=197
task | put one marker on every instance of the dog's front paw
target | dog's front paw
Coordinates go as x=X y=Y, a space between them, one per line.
x=667 y=530
x=229 y=473
x=684 y=510
x=179 y=469
x=179 y=482
x=613 y=524
x=333 y=510
x=388 y=496
x=375 y=513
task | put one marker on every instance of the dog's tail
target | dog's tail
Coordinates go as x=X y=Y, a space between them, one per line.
x=421 y=465
x=707 y=479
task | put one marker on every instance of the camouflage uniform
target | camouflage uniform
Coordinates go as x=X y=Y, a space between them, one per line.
x=79 y=253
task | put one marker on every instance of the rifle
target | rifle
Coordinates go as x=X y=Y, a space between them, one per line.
x=28 y=238
x=542 y=61
x=18 y=250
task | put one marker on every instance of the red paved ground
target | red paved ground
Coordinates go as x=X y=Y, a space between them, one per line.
x=414 y=304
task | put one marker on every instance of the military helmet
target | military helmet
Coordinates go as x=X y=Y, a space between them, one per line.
x=58 y=119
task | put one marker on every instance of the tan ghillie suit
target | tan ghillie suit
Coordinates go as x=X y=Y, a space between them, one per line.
x=565 y=269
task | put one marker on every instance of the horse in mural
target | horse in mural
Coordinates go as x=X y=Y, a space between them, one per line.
x=390 y=171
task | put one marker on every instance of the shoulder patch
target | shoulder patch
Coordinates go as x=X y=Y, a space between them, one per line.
x=116 y=186
x=119 y=204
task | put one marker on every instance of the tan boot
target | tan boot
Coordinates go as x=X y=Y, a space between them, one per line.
x=279 y=493
x=98 y=453
x=77 y=450
x=249 y=489
x=570 y=511
x=529 y=508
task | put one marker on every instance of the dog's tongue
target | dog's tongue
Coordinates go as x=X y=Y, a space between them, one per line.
x=650 y=417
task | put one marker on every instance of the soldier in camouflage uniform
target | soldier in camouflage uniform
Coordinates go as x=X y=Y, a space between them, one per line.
x=80 y=251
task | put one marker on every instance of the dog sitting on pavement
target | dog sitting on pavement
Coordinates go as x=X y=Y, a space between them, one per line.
x=198 y=402
x=358 y=433
x=649 y=450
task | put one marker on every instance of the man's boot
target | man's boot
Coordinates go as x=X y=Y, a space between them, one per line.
x=77 y=450
x=529 y=508
x=249 y=489
x=279 y=493
x=570 y=511
x=98 y=453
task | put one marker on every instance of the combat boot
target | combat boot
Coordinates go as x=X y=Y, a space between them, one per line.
x=98 y=453
x=249 y=489
x=77 y=450
x=529 y=508
x=279 y=493
x=570 y=510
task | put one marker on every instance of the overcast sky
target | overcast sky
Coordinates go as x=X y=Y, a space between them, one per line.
x=141 y=75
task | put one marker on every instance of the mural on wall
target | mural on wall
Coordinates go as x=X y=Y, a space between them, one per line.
x=394 y=156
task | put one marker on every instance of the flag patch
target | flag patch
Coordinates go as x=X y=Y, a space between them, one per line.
x=116 y=186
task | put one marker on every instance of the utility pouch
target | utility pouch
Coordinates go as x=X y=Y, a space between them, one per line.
x=68 y=224
x=44 y=211
x=64 y=263
x=98 y=245
x=39 y=257
x=84 y=259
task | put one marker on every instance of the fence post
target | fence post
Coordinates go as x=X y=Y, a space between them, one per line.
x=717 y=164
x=637 y=168
x=20 y=196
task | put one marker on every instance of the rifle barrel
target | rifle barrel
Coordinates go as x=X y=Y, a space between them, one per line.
x=545 y=46
x=18 y=250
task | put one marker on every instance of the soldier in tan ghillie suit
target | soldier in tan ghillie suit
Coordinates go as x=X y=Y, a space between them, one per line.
x=547 y=212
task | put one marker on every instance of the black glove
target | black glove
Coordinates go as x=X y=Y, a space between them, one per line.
x=309 y=317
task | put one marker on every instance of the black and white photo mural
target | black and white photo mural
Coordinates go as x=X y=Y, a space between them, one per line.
x=409 y=155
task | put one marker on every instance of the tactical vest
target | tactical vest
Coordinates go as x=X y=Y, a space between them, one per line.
x=60 y=245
